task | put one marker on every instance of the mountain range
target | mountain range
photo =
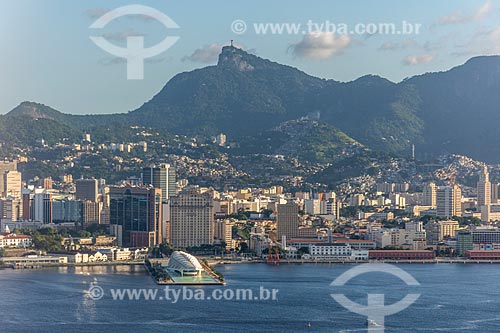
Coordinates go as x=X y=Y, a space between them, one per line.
x=250 y=98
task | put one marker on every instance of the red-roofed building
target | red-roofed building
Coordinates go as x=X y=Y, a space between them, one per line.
x=14 y=240
x=401 y=254
x=483 y=254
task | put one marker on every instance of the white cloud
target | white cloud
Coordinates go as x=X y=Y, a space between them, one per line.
x=483 y=11
x=208 y=54
x=413 y=60
x=320 y=45
x=389 y=46
x=458 y=17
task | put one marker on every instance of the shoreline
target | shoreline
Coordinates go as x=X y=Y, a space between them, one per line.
x=90 y=264
x=253 y=262
x=386 y=261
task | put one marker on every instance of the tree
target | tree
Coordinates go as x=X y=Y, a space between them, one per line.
x=166 y=249
x=98 y=229
x=243 y=247
x=266 y=212
x=303 y=250
x=47 y=239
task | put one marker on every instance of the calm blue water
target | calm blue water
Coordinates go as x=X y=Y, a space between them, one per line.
x=453 y=298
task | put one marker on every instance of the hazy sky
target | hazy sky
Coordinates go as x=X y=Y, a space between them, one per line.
x=46 y=54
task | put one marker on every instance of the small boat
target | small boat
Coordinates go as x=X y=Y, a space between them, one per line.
x=372 y=323
x=309 y=324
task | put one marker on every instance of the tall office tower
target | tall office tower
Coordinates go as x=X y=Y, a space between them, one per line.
x=90 y=213
x=162 y=177
x=494 y=193
x=6 y=166
x=191 y=219
x=449 y=201
x=27 y=201
x=12 y=184
x=10 y=209
x=135 y=215
x=87 y=190
x=429 y=195
x=287 y=220
x=66 y=210
x=42 y=206
x=484 y=189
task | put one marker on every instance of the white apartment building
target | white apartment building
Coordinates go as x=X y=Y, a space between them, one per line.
x=410 y=238
x=336 y=251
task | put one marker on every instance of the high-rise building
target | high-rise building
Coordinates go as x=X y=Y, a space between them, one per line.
x=449 y=201
x=191 y=219
x=10 y=209
x=333 y=207
x=162 y=177
x=12 y=184
x=221 y=139
x=494 y=193
x=429 y=195
x=287 y=220
x=357 y=200
x=87 y=190
x=223 y=231
x=90 y=213
x=6 y=166
x=27 y=201
x=313 y=206
x=483 y=189
x=66 y=210
x=437 y=231
x=47 y=183
x=135 y=215
x=42 y=206
x=464 y=242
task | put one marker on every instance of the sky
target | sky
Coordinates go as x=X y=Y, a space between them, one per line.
x=47 y=56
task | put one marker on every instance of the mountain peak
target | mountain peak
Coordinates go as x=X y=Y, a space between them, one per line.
x=33 y=110
x=235 y=58
x=372 y=80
